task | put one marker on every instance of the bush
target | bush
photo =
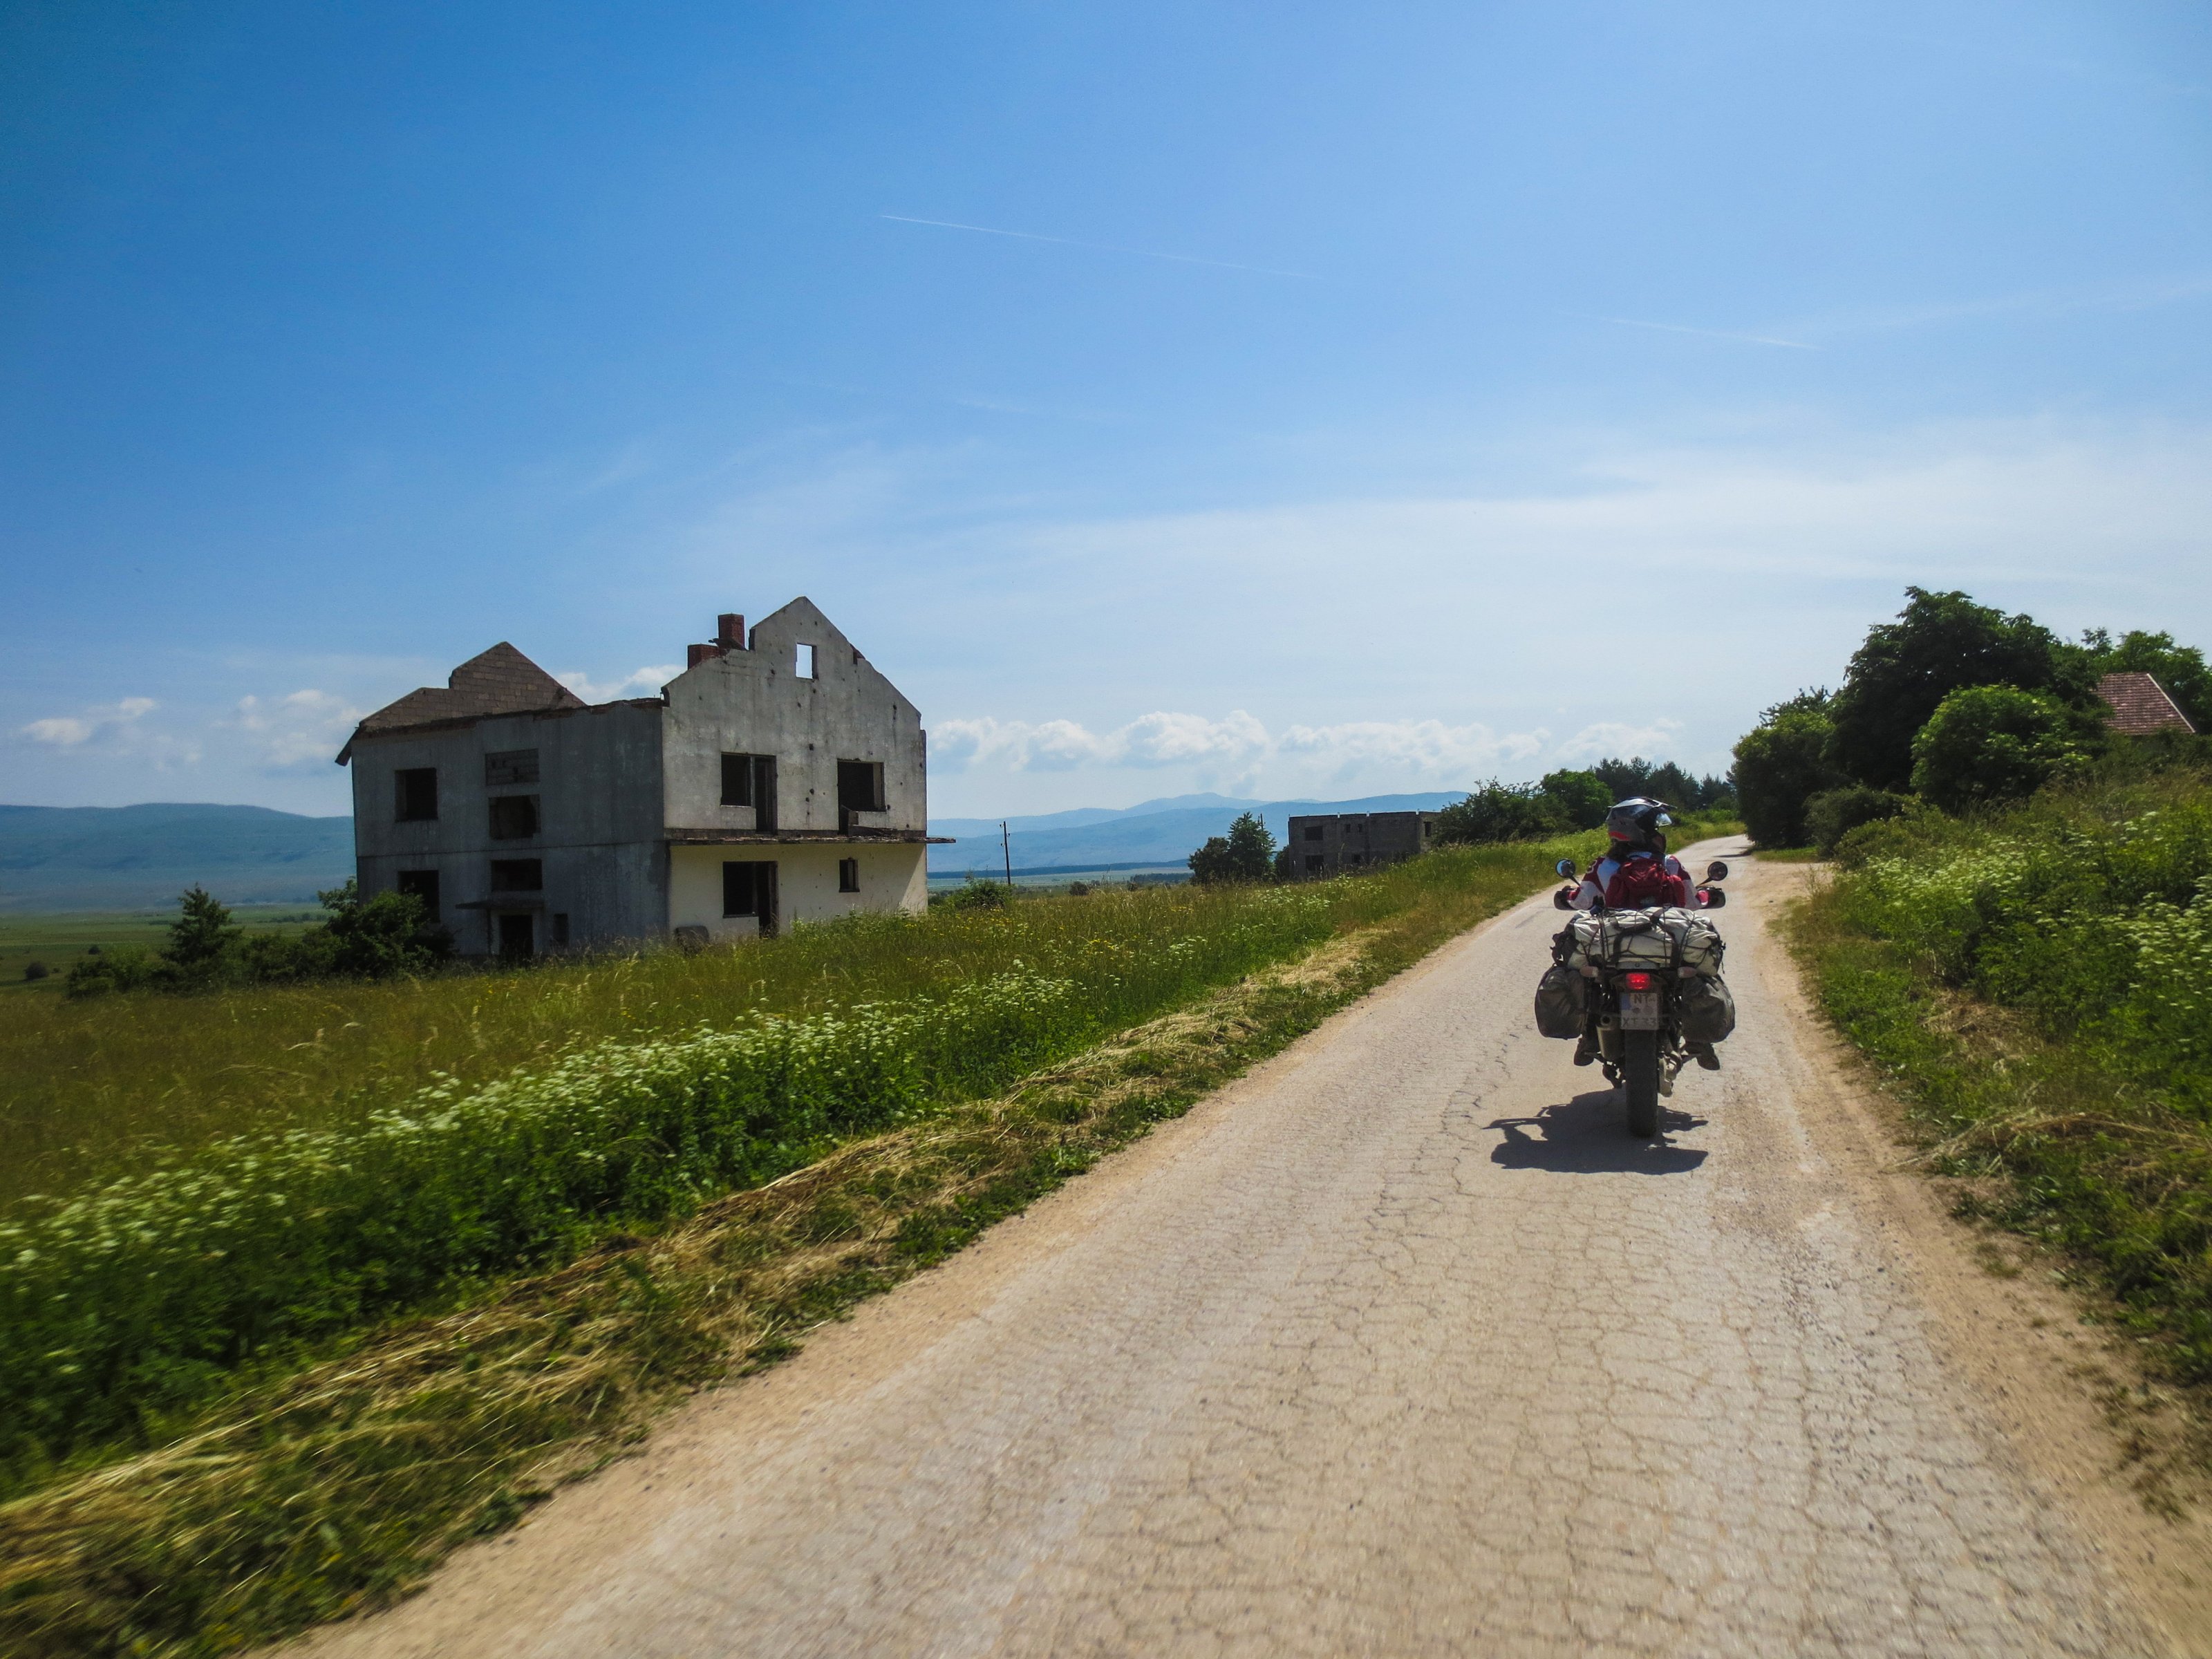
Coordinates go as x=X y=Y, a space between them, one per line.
x=1246 y=852
x=1989 y=744
x=1834 y=813
x=1781 y=764
x=1500 y=812
x=36 y=970
x=975 y=894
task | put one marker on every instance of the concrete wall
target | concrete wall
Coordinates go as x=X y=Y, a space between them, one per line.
x=892 y=878
x=600 y=832
x=752 y=701
x=1344 y=843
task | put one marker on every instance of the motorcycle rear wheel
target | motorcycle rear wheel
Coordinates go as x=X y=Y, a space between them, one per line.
x=1639 y=1080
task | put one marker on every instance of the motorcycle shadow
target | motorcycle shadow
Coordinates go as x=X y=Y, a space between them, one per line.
x=1589 y=1135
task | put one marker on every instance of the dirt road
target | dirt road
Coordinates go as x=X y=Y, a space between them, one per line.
x=1400 y=1346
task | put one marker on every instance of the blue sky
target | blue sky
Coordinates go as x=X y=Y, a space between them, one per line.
x=1373 y=397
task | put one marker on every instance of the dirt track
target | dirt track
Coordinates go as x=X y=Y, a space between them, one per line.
x=1400 y=1346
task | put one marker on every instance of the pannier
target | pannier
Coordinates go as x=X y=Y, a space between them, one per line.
x=1706 y=1009
x=1562 y=1002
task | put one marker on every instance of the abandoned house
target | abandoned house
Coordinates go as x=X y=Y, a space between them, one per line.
x=779 y=777
x=2137 y=705
x=1339 y=843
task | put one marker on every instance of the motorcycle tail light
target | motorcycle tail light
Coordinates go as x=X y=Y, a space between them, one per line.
x=1638 y=982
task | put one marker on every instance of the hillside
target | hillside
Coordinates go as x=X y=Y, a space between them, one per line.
x=1154 y=832
x=124 y=858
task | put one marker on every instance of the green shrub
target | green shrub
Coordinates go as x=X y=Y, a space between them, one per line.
x=1501 y=813
x=1989 y=744
x=1834 y=813
x=1582 y=798
x=1781 y=763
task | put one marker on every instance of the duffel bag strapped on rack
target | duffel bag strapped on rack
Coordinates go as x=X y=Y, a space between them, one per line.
x=1706 y=1008
x=1651 y=940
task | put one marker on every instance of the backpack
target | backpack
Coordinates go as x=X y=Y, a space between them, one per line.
x=1643 y=879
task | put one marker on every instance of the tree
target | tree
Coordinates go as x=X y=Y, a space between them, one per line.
x=2181 y=669
x=1783 y=762
x=1834 y=813
x=1940 y=643
x=386 y=935
x=1246 y=852
x=1660 y=780
x=1986 y=743
x=1502 y=811
x=203 y=933
x=1582 y=798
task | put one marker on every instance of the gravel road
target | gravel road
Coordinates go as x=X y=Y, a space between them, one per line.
x=1400 y=1346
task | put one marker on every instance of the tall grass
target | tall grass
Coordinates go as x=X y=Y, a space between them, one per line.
x=2038 y=984
x=138 y=1297
x=91 y=1088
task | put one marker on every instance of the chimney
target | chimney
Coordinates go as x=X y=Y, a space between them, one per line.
x=695 y=654
x=730 y=634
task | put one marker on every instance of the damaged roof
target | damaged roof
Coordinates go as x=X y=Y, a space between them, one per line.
x=500 y=681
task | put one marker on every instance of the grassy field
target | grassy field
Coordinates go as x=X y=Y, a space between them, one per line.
x=2037 y=986
x=322 y=1465
x=61 y=940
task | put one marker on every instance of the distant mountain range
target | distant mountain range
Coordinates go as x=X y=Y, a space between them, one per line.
x=133 y=857
x=1165 y=831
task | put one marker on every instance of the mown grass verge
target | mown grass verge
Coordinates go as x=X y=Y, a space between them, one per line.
x=2034 y=986
x=327 y=1479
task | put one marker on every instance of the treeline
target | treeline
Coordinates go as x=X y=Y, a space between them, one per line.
x=364 y=939
x=1557 y=805
x=1955 y=705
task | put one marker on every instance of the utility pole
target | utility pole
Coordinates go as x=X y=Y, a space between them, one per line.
x=1006 y=847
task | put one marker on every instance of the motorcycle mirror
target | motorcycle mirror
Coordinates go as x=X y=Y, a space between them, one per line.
x=1715 y=870
x=1717 y=898
x=1566 y=867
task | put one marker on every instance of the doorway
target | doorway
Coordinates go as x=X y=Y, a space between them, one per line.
x=518 y=935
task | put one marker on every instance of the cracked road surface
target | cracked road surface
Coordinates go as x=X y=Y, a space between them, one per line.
x=1399 y=1345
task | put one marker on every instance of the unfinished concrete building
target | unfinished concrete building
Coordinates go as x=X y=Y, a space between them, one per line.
x=1344 y=843
x=780 y=778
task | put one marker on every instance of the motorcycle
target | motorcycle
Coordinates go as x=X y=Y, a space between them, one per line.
x=1637 y=988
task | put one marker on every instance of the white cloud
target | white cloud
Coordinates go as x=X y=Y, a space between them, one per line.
x=637 y=683
x=296 y=729
x=1157 y=739
x=1655 y=741
x=107 y=722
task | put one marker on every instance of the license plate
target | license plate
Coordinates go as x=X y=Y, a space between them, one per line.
x=1639 y=1010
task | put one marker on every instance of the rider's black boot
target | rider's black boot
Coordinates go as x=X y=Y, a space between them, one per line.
x=1585 y=1050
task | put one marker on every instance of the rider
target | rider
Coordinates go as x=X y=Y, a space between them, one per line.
x=1638 y=827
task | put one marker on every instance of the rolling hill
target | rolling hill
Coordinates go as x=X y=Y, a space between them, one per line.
x=129 y=858
x=1152 y=832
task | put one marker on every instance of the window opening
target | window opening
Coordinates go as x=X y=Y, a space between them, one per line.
x=803 y=665
x=848 y=875
x=750 y=781
x=514 y=817
x=518 y=875
x=510 y=767
x=748 y=889
x=1313 y=832
x=422 y=884
x=417 y=790
x=737 y=780
x=859 y=787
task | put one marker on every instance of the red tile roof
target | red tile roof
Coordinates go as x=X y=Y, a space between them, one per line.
x=2140 y=706
x=500 y=681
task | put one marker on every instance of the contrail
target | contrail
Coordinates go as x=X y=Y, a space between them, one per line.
x=1102 y=247
x=1710 y=333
